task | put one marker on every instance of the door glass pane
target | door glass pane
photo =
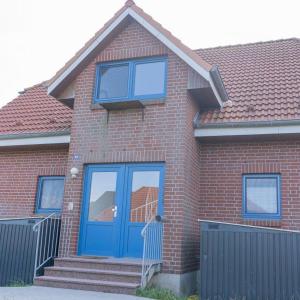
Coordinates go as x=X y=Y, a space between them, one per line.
x=102 y=198
x=113 y=82
x=150 y=79
x=261 y=195
x=144 y=195
x=52 y=193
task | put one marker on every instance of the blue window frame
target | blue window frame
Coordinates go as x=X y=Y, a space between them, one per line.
x=262 y=196
x=140 y=79
x=50 y=194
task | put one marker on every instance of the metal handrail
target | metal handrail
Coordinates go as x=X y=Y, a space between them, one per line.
x=34 y=228
x=152 y=234
x=47 y=240
x=145 y=207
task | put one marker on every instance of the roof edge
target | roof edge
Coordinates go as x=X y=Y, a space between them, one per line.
x=240 y=129
x=249 y=44
x=249 y=124
x=33 y=135
x=18 y=140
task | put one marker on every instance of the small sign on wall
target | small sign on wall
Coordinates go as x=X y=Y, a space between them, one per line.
x=76 y=157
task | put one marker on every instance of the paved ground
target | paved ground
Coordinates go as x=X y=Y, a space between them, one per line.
x=44 y=293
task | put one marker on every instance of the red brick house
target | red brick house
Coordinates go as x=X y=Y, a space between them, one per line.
x=150 y=127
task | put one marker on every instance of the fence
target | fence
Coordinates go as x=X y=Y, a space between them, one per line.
x=18 y=244
x=245 y=263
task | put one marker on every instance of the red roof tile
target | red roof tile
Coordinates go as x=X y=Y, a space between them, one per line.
x=34 y=111
x=261 y=79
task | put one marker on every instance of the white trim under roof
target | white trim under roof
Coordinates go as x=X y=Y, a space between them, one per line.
x=31 y=141
x=246 y=131
x=169 y=44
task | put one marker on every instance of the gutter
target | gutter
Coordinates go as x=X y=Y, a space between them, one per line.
x=34 y=139
x=33 y=135
x=249 y=124
x=254 y=128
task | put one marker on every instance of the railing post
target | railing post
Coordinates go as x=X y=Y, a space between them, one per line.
x=36 y=250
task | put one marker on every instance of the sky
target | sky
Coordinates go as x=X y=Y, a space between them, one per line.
x=38 y=36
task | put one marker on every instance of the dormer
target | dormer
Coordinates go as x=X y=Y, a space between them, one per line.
x=131 y=83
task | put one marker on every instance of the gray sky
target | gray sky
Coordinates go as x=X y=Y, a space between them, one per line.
x=38 y=36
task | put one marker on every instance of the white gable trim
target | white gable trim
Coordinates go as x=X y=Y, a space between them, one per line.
x=169 y=44
x=198 y=68
x=246 y=131
x=31 y=141
x=188 y=60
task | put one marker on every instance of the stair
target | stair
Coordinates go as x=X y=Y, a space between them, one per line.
x=93 y=274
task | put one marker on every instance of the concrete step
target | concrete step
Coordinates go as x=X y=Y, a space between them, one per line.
x=87 y=284
x=99 y=264
x=93 y=274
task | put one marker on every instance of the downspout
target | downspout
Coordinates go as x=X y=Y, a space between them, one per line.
x=218 y=82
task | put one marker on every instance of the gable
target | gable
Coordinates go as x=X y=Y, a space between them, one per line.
x=133 y=41
x=128 y=12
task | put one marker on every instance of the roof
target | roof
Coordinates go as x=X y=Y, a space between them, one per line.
x=34 y=112
x=130 y=9
x=262 y=81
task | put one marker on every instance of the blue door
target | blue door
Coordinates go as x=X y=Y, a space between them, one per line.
x=118 y=201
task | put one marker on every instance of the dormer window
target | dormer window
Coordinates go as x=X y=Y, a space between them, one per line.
x=131 y=80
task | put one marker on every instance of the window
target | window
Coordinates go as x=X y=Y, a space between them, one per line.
x=261 y=196
x=50 y=194
x=131 y=80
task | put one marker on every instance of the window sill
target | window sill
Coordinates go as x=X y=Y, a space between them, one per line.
x=46 y=212
x=276 y=223
x=148 y=102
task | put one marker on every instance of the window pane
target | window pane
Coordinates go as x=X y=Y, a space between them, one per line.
x=144 y=195
x=52 y=194
x=150 y=79
x=102 y=197
x=113 y=82
x=262 y=195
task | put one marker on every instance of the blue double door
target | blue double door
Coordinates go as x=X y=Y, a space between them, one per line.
x=118 y=200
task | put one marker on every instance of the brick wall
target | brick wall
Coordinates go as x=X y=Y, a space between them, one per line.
x=222 y=167
x=164 y=135
x=19 y=171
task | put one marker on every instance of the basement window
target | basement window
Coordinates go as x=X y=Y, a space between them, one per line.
x=131 y=80
x=50 y=194
x=262 y=196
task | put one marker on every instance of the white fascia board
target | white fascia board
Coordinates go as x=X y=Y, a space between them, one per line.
x=199 y=69
x=170 y=45
x=246 y=131
x=31 y=141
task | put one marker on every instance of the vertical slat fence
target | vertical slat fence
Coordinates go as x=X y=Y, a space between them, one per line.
x=248 y=263
x=18 y=245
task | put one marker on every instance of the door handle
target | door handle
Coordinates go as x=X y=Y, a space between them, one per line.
x=115 y=210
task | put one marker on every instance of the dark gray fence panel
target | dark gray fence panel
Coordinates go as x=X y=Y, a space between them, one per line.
x=17 y=253
x=18 y=248
x=245 y=263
